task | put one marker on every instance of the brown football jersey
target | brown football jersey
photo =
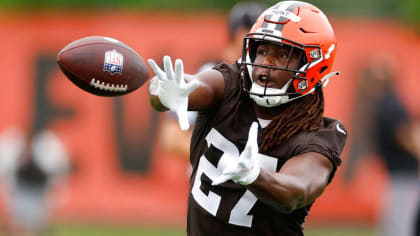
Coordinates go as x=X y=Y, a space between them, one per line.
x=229 y=208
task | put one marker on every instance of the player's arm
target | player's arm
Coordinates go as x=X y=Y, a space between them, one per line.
x=209 y=91
x=299 y=182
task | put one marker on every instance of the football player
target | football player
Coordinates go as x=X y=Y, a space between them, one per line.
x=262 y=152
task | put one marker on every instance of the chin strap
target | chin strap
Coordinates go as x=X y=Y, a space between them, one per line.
x=271 y=101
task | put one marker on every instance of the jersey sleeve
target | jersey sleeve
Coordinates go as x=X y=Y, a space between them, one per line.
x=328 y=141
x=232 y=79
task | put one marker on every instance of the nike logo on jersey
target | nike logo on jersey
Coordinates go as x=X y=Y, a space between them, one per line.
x=339 y=129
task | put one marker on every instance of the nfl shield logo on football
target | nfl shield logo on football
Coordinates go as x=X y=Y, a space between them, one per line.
x=113 y=62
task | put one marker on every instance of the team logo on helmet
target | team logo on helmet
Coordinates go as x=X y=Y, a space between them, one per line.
x=113 y=62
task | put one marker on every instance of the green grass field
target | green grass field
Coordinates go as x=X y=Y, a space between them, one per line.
x=95 y=230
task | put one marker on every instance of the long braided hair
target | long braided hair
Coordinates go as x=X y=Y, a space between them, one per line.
x=302 y=114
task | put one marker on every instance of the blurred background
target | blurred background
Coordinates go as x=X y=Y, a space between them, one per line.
x=99 y=162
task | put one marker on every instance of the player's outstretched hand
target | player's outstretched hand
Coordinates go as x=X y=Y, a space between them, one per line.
x=173 y=91
x=245 y=169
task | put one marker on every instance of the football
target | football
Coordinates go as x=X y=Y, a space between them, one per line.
x=103 y=66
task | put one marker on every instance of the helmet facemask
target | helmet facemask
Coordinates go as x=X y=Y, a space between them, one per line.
x=294 y=87
x=302 y=27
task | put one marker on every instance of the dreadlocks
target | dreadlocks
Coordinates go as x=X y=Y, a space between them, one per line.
x=303 y=114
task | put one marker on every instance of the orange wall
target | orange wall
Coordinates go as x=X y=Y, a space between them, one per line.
x=99 y=189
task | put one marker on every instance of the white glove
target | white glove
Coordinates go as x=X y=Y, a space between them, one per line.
x=173 y=91
x=245 y=169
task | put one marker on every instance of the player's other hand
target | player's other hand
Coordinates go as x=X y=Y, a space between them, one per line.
x=173 y=90
x=245 y=169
